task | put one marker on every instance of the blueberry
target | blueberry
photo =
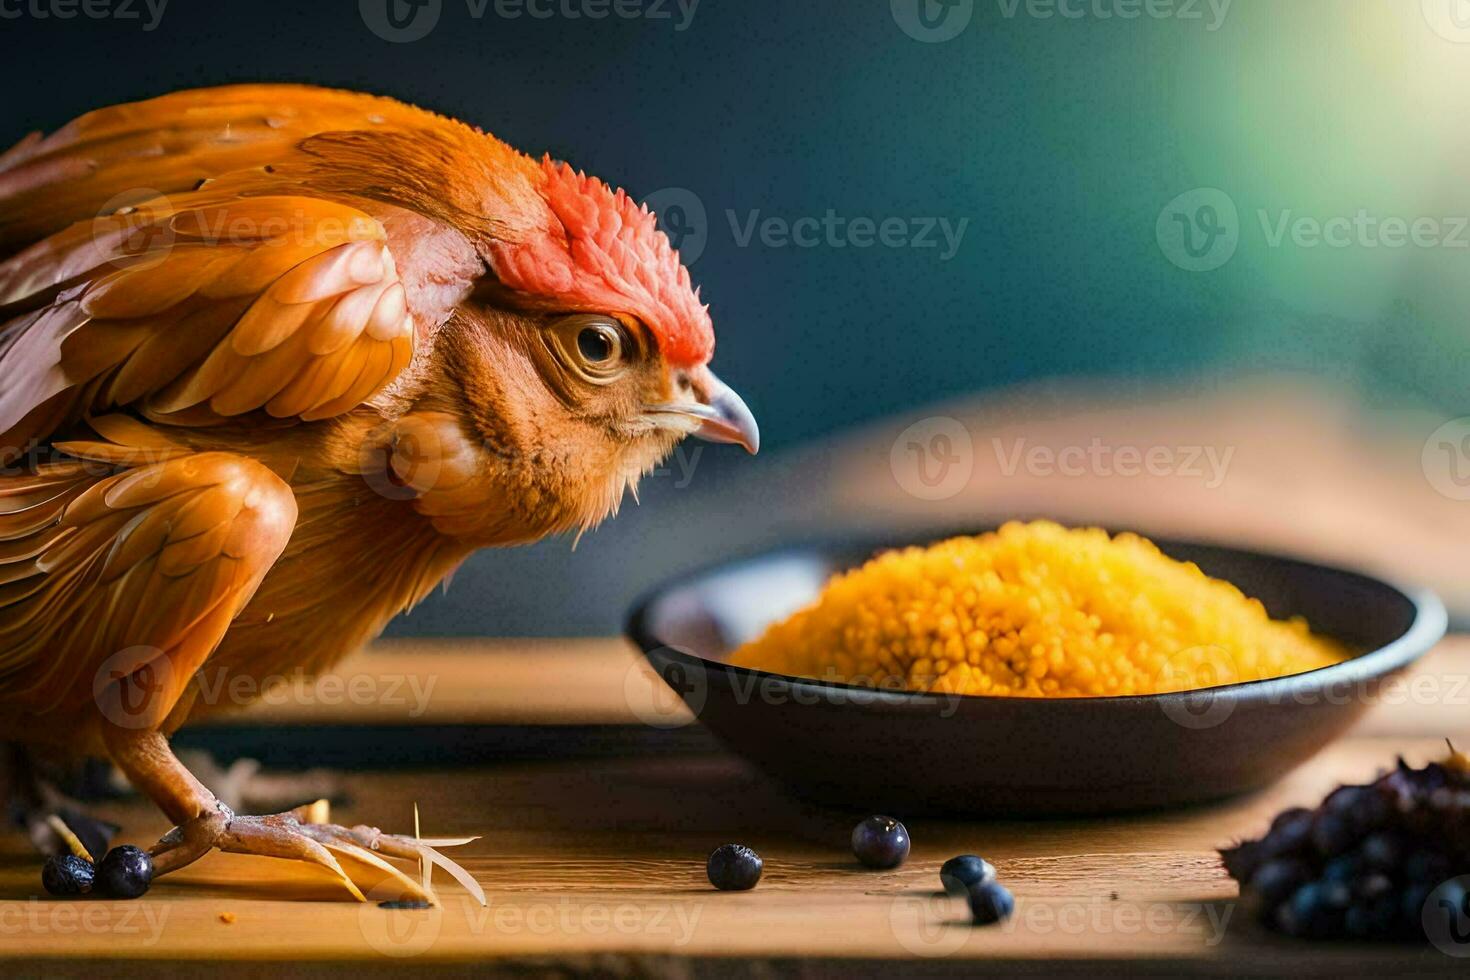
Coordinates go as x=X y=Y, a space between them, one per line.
x=1336 y=895
x=961 y=874
x=1290 y=832
x=1345 y=868
x=1307 y=912
x=1285 y=919
x=1411 y=908
x=1377 y=919
x=1382 y=851
x=1346 y=799
x=1373 y=886
x=126 y=872
x=1373 y=812
x=733 y=868
x=1427 y=867
x=880 y=842
x=1275 y=880
x=1332 y=833
x=66 y=874
x=990 y=902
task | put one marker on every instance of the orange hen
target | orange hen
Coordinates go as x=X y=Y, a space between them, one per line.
x=273 y=361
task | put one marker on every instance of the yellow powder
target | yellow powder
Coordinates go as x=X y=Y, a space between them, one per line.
x=1036 y=610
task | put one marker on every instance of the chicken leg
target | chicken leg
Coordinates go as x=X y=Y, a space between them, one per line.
x=204 y=823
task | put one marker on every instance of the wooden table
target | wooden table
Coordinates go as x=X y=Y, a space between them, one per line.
x=595 y=864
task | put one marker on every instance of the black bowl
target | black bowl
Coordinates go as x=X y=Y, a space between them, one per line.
x=912 y=753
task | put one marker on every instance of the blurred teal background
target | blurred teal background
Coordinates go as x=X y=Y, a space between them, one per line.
x=1076 y=146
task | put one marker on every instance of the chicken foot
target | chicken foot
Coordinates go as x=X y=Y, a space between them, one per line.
x=203 y=823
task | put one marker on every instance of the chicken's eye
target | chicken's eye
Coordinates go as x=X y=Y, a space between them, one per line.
x=594 y=348
x=597 y=345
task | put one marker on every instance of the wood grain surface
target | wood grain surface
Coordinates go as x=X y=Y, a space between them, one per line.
x=597 y=867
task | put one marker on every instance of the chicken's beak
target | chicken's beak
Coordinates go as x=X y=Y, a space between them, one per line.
x=721 y=414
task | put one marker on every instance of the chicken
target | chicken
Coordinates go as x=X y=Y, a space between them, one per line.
x=274 y=360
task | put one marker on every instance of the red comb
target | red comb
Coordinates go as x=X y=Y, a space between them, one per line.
x=601 y=251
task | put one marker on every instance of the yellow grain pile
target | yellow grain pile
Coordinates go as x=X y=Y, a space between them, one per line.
x=1036 y=610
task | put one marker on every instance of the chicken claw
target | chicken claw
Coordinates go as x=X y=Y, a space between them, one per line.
x=347 y=853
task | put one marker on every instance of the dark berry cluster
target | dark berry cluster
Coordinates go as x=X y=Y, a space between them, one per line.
x=1366 y=862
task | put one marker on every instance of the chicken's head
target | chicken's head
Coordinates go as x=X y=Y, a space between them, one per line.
x=583 y=357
